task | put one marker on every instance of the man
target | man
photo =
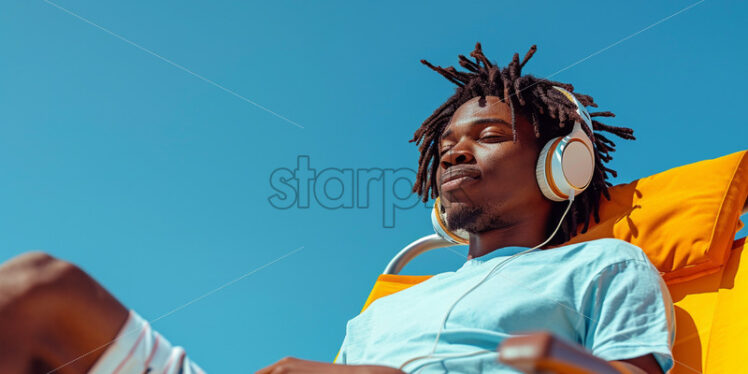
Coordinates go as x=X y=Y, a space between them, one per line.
x=479 y=153
x=603 y=294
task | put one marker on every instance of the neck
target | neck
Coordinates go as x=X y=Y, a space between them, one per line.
x=527 y=233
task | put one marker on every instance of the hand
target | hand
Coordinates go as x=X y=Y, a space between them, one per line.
x=291 y=365
x=544 y=351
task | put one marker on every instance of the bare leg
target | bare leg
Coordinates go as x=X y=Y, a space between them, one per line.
x=52 y=313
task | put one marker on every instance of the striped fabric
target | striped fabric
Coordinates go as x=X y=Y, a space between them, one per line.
x=139 y=349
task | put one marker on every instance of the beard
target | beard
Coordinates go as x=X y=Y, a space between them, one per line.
x=473 y=219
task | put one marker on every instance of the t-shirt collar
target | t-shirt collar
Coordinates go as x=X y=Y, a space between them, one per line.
x=500 y=252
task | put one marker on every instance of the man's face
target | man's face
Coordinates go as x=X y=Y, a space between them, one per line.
x=485 y=180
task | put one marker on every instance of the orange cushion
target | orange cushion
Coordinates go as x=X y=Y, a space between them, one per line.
x=390 y=283
x=685 y=219
x=727 y=340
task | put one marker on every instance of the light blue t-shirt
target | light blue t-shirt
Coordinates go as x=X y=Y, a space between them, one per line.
x=604 y=295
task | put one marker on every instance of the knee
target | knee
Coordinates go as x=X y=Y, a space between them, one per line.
x=32 y=272
x=51 y=307
x=29 y=261
x=40 y=265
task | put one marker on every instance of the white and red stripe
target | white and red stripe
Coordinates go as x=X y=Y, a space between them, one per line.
x=139 y=349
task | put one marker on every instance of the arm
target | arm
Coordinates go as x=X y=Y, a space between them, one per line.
x=290 y=365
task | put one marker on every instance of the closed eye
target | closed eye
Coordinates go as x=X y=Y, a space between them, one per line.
x=492 y=138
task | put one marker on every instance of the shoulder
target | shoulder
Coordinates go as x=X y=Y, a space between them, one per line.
x=604 y=256
x=622 y=272
x=606 y=251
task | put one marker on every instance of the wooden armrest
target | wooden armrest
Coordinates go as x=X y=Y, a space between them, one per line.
x=543 y=352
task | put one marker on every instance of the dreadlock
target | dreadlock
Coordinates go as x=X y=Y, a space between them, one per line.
x=546 y=108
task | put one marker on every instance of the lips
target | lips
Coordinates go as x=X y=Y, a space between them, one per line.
x=457 y=177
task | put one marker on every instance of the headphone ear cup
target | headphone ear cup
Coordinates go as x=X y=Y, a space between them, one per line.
x=544 y=171
x=439 y=221
x=566 y=164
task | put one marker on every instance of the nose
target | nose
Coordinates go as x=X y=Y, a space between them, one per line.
x=456 y=156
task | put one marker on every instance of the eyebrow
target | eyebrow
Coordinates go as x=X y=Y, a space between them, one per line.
x=478 y=121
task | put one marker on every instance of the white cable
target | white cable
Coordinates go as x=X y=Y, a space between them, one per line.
x=488 y=275
x=451 y=357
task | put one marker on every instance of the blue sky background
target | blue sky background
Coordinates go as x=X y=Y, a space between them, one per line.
x=157 y=183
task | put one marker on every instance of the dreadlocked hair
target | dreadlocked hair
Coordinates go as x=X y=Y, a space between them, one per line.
x=547 y=109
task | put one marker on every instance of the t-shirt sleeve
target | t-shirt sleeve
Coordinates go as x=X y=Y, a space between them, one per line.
x=140 y=349
x=341 y=358
x=629 y=314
